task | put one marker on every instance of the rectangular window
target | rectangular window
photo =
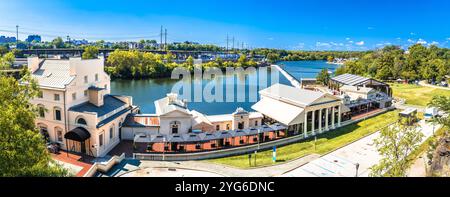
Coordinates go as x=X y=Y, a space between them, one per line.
x=57 y=114
x=56 y=97
x=256 y=123
x=228 y=126
x=86 y=79
x=74 y=96
x=100 y=140
x=111 y=133
x=217 y=127
x=96 y=77
x=85 y=93
x=106 y=86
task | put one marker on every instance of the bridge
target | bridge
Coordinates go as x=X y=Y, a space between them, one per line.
x=179 y=54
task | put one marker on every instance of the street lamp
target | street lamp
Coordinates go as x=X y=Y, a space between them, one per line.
x=259 y=131
x=164 y=148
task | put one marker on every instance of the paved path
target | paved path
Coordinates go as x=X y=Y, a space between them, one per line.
x=424 y=83
x=342 y=162
x=213 y=168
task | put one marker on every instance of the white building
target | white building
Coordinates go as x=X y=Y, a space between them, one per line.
x=355 y=92
x=173 y=117
x=303 y=111
x=76 y=109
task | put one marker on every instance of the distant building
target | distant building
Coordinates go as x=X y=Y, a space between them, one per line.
x=31 y=38
x=79 y=42
x=4 y=39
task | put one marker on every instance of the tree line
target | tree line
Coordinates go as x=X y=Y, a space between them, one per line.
x=274 y=55
x=138 y=65
x=391 y=63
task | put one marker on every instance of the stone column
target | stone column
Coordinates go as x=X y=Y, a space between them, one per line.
x=339 y=116
x=306 y=125
x=313 y=119
x=326 y=119
x=320 y=120
x=333 y=113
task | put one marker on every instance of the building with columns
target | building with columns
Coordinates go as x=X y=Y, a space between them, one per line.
x=303 y=111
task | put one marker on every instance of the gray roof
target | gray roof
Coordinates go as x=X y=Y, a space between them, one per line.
x=110 y=103
x=53 y=73
x=299 y=96
x=349 y=79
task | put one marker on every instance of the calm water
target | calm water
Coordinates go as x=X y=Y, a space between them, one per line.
x=145 y=92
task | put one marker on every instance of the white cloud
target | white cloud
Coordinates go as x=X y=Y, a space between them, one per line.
x=300 y=45
x=270 y=38
x=360 y=43
x=434 y=43
x=421 y=41
x=411 y=40
x=349 y=38
x=412 y=33
x=323 y=44
x=370 y=28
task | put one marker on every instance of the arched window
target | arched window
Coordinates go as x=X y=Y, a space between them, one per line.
x=43 y=130
x=217 y=127
x=41 y=110
x=240 y=125
x=174 y=126
x=81 y=121
x=59 y=134
x=57 y=113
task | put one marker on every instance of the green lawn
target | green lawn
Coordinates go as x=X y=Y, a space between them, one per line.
x=417 y=95
x=326 y=142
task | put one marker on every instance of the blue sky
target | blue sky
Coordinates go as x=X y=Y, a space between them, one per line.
x=301 y=25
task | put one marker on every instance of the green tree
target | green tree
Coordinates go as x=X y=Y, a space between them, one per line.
x=23 y=148
x=58 y=42
x=273 y=57
x=323 y=77
x=330 y=58
x=90 y=52
x=394 y=144
x=7 y=60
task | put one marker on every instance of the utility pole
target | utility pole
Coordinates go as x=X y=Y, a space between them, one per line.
x=165 y=39
x=227 y=42
x=17 y=35
x=161 y=37
x=233 y=44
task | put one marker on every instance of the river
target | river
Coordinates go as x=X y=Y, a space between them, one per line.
x=145 y=92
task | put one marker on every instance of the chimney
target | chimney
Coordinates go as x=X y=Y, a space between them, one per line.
x=172 y=98
x=96 y=96
x=33 y=63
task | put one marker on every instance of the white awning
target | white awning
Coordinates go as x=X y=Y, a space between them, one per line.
x=280 y=111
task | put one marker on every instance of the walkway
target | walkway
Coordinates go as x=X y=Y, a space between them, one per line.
x=296 y=83
x=342 y=162
x=222 y=170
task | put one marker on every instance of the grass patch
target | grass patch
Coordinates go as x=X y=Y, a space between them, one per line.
x=415 y=94
x=326 y=143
